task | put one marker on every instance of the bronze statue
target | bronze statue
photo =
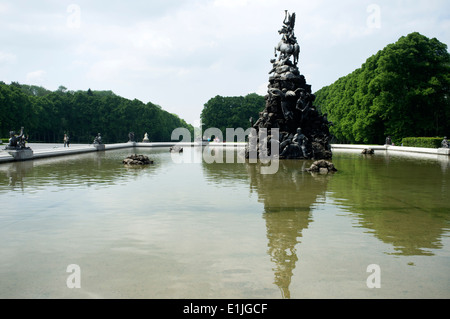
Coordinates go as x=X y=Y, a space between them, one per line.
x=445 y=143
x=98 y=139
x=17 y=142
x=290 y=106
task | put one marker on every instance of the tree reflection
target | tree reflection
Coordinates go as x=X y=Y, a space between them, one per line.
x=402 y=201
x=95 y=168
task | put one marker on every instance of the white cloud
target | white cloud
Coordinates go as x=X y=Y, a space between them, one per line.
x=4 y=8
x=35 y=77
x=178 y=54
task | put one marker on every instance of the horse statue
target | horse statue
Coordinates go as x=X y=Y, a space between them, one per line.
x=288 y=45
x=286 y=50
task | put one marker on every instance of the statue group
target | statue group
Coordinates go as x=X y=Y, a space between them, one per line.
x=303 y=131
x=17 y=147
x=17 y=142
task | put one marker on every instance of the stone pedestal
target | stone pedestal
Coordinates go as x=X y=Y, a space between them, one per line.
x=99 y=147
x=21 y=154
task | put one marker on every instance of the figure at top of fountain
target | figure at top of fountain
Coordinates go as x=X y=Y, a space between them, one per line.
x=288 y=45
x=288 y=28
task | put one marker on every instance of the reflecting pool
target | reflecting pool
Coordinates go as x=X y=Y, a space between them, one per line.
x=185 y=228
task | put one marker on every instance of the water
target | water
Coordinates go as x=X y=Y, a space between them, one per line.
x=221 y=230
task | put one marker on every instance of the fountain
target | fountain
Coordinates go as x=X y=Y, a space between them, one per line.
x=302 y=131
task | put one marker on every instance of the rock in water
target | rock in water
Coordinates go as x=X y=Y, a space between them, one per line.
x=322 y=167
x=367 y=151
x=137 y=160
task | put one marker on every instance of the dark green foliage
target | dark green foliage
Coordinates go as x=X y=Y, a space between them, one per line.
x=231 y=112
x=430 y=142
x=47 y=115
x=403 y=90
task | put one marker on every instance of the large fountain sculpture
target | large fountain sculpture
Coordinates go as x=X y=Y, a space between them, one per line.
x=303 y=133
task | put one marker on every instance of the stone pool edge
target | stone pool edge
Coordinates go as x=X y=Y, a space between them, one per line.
x=43 y=153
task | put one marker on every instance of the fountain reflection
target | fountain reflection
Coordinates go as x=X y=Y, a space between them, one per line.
x=288 y=196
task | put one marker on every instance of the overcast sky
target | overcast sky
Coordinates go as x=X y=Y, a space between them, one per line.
x=179 y=54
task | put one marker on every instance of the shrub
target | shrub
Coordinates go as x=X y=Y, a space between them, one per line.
x=430 y=142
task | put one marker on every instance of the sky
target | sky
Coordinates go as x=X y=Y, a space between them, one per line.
x=179 y=54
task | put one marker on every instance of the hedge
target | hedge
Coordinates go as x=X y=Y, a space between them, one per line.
x=430 y=142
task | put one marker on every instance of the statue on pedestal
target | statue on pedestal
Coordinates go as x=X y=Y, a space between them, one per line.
x=388 y=141
x=98 y=144
x=97 y=139
x=17 y=142
x=17 y=146
x=146 y=140
x=445 y=143
x=303 y=131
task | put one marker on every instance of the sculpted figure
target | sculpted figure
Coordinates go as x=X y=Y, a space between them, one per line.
x=12 y=139
x=17 y=141
x=388 y=141
x=98 y=139
x=287 y=99
x=262 y=120
x=296 y=145
x=288 y=45
x=300 y=141
x=445 y=143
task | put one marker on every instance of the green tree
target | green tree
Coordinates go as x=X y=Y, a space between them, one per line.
x=47 y=115
x=231 y=112
x=401 y=91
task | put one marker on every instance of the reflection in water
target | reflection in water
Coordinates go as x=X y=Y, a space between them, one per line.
x=92 y=169
x=288 y=197
x=216 y=240
x=402 y=200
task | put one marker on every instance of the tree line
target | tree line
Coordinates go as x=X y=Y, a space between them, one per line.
x=224 y=112
x=48 y=115
x=401 y=91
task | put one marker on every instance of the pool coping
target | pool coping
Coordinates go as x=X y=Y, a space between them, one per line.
x=43 y=153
